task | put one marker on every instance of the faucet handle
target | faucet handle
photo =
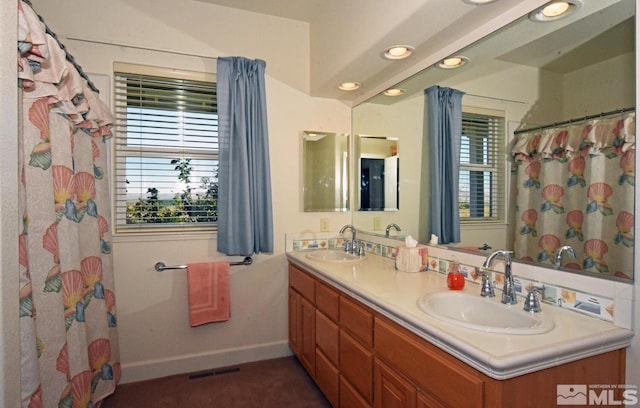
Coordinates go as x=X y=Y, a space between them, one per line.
x=487 y=289
x=531 y=302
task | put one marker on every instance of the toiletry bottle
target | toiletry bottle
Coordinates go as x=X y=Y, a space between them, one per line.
x=455 y=278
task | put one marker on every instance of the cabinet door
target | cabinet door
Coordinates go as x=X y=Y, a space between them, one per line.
x=424 y=400
x=391 y=390
x=349 y=397
x=356 y=365
x=294 y=321
x=307 y=339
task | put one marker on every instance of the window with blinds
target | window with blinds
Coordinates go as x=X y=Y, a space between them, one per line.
x=166 y=153
x=482 y=168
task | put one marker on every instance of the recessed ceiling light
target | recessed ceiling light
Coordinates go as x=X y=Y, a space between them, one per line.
x=478 y=2
x=394 y=92
x=398 y=52
x=349 y=86
x=453 y=62
x=555 y=10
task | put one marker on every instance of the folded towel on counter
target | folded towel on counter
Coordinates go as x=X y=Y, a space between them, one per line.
x=208 y=284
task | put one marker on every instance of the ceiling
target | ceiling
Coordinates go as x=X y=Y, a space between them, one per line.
x=347 y=38
x=303 y=10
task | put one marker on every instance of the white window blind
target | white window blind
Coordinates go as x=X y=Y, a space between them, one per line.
x=166 y=153
x=482 y=174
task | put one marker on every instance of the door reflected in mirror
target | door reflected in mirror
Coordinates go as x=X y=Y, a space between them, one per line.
x=325 y=171
x=379 y=172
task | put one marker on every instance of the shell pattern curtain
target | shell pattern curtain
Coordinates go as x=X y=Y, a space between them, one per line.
x=576 y=187
x=69 y=348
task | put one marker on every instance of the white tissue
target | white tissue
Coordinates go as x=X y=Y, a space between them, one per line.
x=434 y=239
x=410 y=242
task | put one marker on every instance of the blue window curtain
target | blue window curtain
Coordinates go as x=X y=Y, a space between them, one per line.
x=444 y=133
x=245 y=220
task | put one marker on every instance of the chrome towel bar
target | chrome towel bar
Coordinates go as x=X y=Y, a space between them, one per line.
x=161 y=266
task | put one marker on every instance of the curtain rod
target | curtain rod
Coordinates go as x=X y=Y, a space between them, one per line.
x=139 y=47
x=494 y=98
x=576 y=120
x=68 y=56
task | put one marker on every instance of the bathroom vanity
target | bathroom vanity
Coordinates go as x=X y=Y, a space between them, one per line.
x=357 y=330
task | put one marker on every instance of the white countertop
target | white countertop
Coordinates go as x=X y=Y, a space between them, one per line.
x=376 y=283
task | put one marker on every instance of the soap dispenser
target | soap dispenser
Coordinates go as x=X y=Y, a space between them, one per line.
x=455 y=278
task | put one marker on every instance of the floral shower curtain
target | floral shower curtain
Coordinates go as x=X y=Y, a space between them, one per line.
x=69 y=348
x=575 y=187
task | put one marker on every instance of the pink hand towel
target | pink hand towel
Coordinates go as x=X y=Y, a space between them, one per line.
x=208 y=284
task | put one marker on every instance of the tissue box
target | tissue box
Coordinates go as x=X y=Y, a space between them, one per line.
x=413 y=259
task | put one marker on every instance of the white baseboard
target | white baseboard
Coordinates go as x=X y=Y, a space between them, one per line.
x=158 y=368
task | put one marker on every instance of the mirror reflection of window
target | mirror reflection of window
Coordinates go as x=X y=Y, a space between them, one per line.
x=482 y=175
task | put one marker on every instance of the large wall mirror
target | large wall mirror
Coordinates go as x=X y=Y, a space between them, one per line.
x=325 y=171
x=534 y=74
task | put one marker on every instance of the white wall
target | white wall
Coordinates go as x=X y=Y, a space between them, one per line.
x=155 y=337
x=611 y=91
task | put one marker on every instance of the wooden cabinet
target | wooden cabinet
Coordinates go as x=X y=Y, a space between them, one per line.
x=328 y=378
x=357 y=320
x=302 y=318
x=436 y=373
x=443 y=381
x=307 y=338
x=349 y=397
x=327 y=356
x=391 y=389
x=294 y=311
x=356 y=365
x=361 y=359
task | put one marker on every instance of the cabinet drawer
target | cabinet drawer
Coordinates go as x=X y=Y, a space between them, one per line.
x=303 y=283
x=327 y=378
x=357 y=320
x=349 y=397
x=328 y=301
x=431 y=369
x=327 y=337
x=356 y=365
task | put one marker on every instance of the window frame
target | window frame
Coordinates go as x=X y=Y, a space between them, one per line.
x=496 y=167
x=121 y=151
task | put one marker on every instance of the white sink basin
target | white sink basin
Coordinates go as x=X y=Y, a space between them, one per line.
x=478 y=313
x=334 y=255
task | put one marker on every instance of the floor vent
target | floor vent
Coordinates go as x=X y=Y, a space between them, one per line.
x=212 y=373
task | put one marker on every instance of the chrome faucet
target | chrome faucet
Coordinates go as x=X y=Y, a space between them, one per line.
x=568 y=249
x=350 y=246
x=531 y=302
x=394 y=226
x=508 y=290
